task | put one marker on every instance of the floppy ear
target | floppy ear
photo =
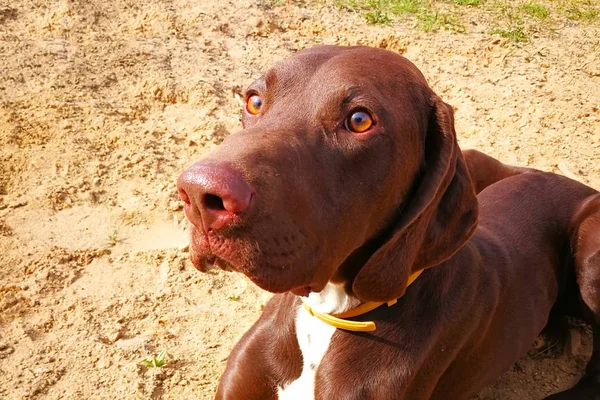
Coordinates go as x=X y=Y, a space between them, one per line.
x=435 y=221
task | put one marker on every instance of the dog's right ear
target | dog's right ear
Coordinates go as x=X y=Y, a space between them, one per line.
x=434 y=223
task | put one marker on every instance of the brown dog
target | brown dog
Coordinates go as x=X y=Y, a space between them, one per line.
x=347 y=184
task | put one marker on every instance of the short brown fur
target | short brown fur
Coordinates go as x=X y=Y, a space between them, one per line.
x=368 y=209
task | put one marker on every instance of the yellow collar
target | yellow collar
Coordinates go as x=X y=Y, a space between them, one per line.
x=355 y=326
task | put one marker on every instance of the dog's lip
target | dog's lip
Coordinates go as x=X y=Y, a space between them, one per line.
x=207 y=262
x=203 y=254
x=202 y=262
x=306 y=289
x=204 y=259
x=302 y=291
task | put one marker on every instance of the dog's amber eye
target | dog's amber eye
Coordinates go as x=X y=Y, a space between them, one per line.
x=359 y=122
x=253 y=104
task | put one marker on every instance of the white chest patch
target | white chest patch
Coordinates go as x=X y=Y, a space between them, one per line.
x=314 y=337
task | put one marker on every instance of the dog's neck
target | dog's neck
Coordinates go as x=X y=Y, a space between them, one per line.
x=333 y=299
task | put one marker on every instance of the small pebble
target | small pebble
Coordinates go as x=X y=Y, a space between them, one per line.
x=114 y=336
x=175 y=205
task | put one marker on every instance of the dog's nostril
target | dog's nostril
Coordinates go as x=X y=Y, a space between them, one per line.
x=215 y=195
x=183 y=196
x=213 y=202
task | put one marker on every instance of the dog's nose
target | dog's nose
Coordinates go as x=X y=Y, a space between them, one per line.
x=214 y=194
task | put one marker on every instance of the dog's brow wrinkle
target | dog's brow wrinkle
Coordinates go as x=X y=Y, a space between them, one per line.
x=351 y=93
x=257 y=85
x=270 y=78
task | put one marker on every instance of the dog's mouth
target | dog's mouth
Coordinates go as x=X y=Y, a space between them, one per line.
x=274 y=262
x=211 y=262
x=296 y=279
x=208 y=251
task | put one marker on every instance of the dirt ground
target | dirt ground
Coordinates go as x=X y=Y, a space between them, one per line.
x=104 y=103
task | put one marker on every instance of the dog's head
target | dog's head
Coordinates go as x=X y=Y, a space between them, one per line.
x=347 y=169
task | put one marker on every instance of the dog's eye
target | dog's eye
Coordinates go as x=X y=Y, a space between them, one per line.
x=359 y=122
x=253 y=104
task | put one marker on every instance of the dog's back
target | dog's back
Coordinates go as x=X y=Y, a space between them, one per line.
x=546 y=259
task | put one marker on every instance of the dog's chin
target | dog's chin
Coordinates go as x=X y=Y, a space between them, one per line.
x=264 y=279
x=274 y=282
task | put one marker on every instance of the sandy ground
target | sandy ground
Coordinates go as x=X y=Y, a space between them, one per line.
x=102 y=105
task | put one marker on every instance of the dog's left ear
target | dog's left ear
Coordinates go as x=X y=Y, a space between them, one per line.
x=435 y=221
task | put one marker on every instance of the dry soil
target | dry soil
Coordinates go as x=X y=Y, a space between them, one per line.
x=104 y=103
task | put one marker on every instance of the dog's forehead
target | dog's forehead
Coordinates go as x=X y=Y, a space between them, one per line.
x=337 y=66
x=301 y=67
